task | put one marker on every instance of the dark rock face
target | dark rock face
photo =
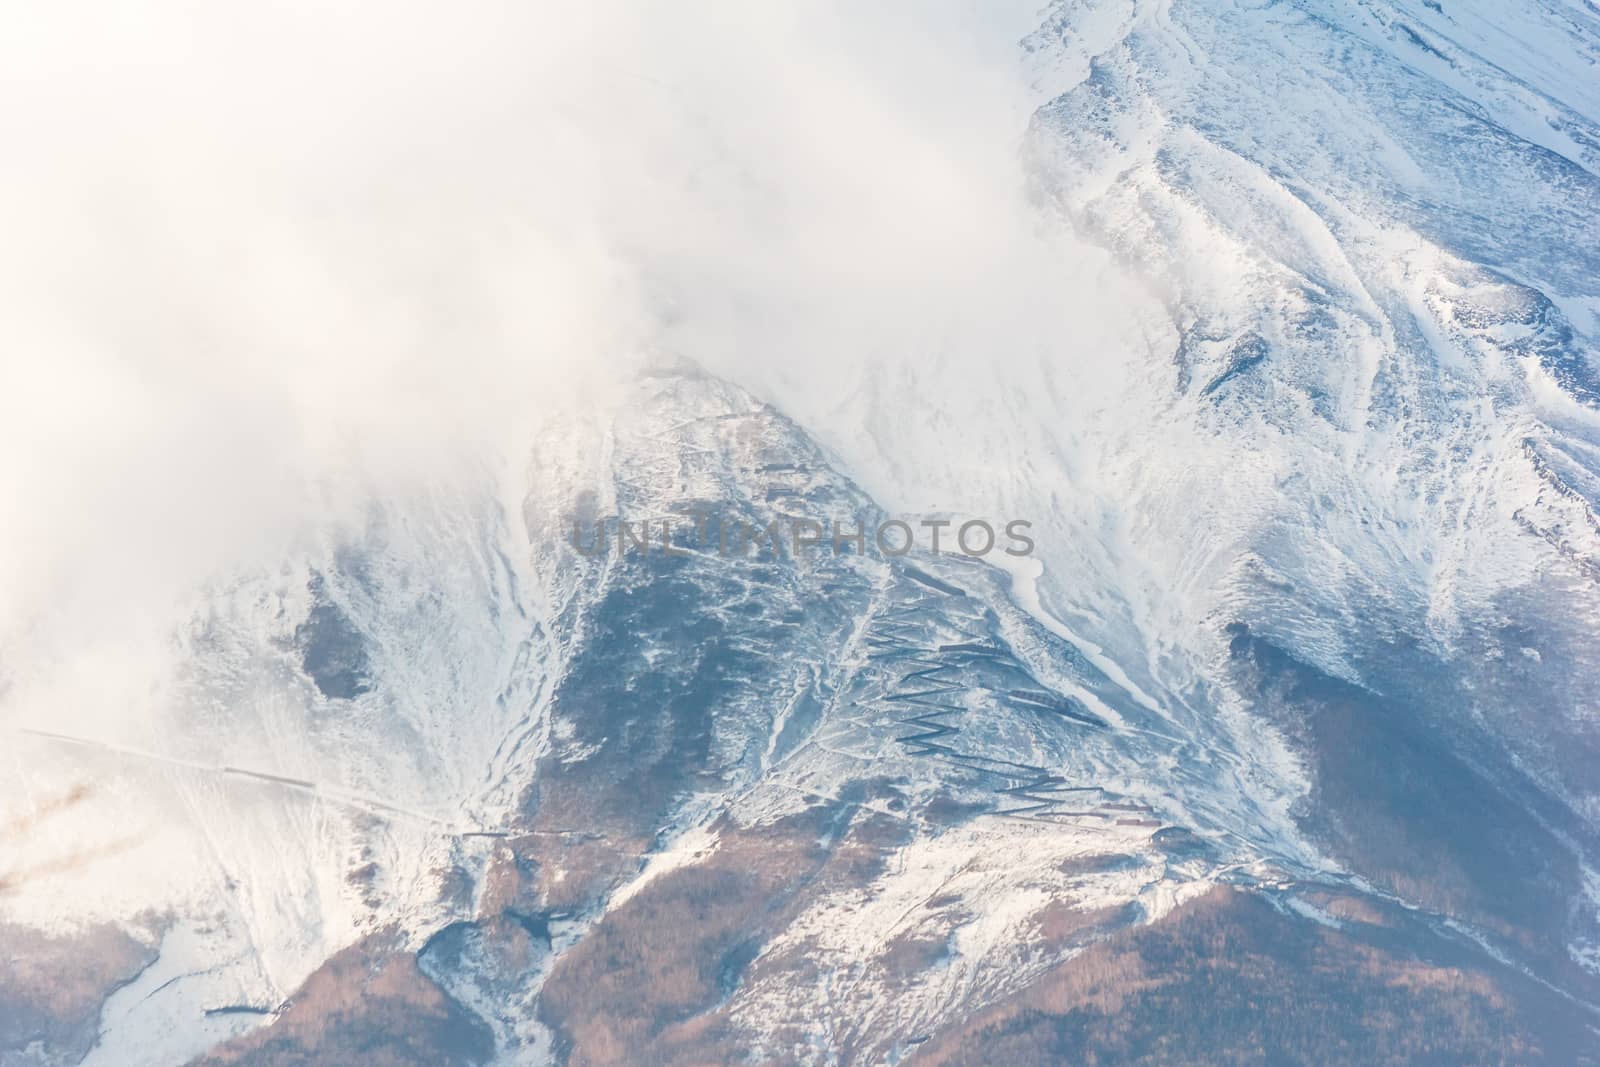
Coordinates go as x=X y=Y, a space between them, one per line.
x=331 y=648
x=1427 y=808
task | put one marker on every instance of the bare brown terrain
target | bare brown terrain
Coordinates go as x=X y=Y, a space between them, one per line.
x=371 y=1005
x=1231 y=980
x=53 y=987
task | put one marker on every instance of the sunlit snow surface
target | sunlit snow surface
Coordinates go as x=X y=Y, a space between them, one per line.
x=1349 y=436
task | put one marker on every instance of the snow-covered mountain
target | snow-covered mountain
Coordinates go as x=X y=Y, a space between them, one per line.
x=1279 y=746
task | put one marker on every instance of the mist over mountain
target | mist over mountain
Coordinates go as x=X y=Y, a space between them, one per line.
x=333 y=334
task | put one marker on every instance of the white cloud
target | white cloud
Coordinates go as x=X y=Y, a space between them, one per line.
x=264 y=262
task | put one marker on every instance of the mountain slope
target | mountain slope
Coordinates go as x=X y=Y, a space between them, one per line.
x=1291 y=710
